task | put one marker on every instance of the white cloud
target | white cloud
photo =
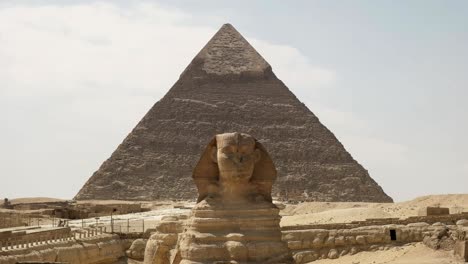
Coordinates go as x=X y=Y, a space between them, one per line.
x=75 y=79
x=294 y=68
x=356 y=135
x=465 y=168
x=95 y=47
x=383 y=158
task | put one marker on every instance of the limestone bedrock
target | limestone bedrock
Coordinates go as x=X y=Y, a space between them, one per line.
x=234 y=220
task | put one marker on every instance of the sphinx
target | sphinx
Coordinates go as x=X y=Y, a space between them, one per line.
x=234 y=167
x=234 y=220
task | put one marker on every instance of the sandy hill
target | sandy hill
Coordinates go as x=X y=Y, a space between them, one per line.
x=323 y=212
x=35 y=200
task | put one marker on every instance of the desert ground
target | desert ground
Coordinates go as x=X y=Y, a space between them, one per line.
x=416 y=253
x=294 y=214
x=324 y=212
x=307 y=213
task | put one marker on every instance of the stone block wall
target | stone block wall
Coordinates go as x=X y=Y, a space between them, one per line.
x=312 y=244
x=426 y=211
x=101 y=249
x=33 y=237
x=444 y=219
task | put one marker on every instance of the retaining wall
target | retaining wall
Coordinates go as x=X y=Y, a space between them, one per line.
x=312 y=244
x=101 y=249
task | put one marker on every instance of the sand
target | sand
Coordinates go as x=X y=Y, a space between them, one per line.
x=415 y=253
x=323 y=212
x=310 y=213
x=35 y=200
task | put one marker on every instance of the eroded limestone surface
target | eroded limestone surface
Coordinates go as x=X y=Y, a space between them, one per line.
x=234 y=220
x=229 y=87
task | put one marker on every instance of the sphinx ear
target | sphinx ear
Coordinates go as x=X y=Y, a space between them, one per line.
x=214 y=154
x=257 y=155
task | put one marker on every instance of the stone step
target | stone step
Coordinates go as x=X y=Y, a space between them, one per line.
x=238 y=213
x=233 y=226
x=235 y=251
x=254 y=236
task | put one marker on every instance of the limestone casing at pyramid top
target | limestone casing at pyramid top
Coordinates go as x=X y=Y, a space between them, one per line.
x=228 y=52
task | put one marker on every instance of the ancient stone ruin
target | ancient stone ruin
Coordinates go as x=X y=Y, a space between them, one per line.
x=234 y=220
x=228 y=86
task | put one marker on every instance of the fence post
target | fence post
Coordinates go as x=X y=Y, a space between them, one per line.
x=128 y=225
x=143 y=220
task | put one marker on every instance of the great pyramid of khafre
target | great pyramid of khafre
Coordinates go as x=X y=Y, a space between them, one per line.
x=229 y=87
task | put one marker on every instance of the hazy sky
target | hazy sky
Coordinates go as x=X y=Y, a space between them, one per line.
x=388 y=78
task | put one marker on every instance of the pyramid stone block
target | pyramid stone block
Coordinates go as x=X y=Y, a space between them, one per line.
x=229 y=87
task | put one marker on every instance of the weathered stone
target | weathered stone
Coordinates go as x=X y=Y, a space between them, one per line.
x=350 y=240
x=324 y=253
x=295 y=244
x=340 y=241
x=234 y=220
x=333 y=254
x=361 y=240
x=425 y=211
x=461 y=249
x=305 y=256
x=421 y=225
x=317 y=242
x=137 y=249
x=228 y=86
x=330 y=242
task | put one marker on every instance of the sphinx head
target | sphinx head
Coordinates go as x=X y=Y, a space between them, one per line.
x=234 y=164
x=236 y=156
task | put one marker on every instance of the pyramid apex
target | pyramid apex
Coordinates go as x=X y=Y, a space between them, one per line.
x=228 y=52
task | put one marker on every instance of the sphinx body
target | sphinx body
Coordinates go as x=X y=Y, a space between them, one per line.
x=234 y=220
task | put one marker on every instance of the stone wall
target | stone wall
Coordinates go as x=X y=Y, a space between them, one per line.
x=14 y=219
x=31 y=237
x=100 y=249
x=335 y=240
x=445 y=219
x=312 y=242
x=425 y=211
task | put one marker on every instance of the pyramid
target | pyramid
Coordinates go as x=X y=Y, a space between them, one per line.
x=229 y=87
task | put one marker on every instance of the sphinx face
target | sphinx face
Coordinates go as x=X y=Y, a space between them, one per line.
x=236 y=157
